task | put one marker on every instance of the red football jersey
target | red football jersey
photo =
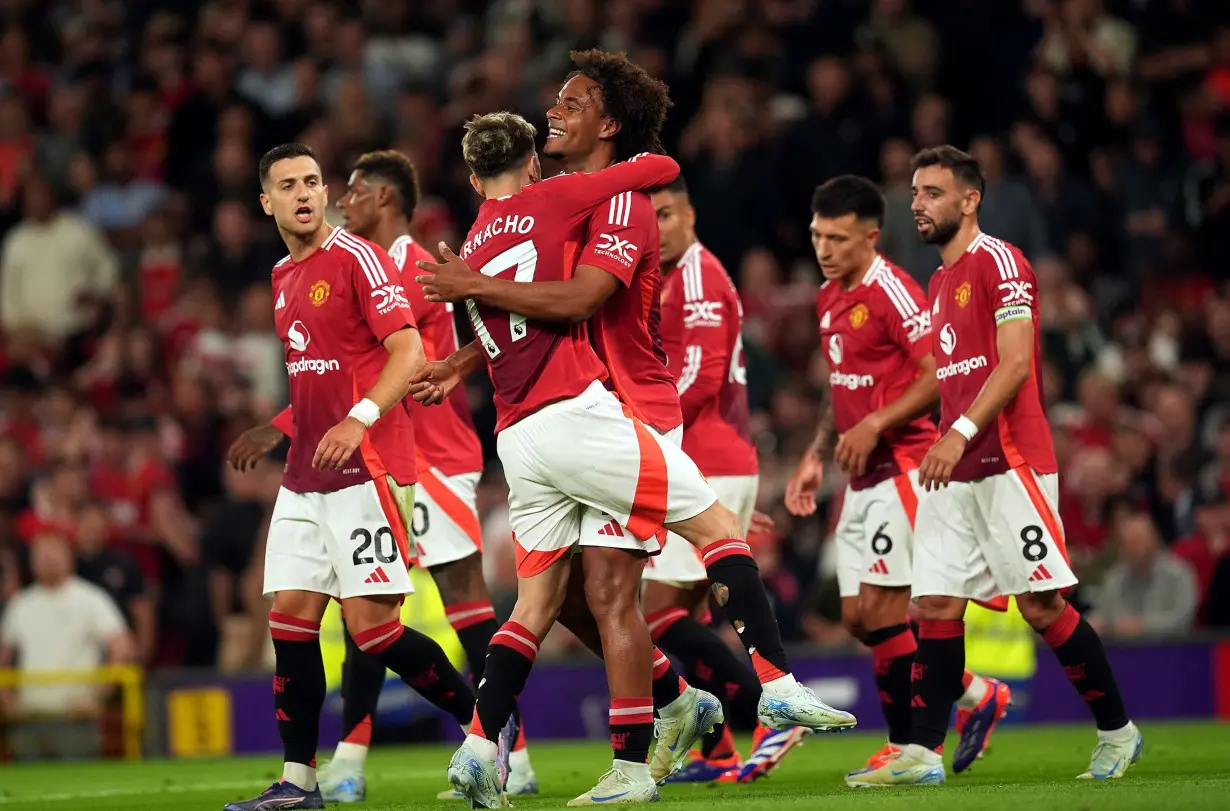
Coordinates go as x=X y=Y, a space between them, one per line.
x=990 y=284
x=873 y=337
x=702 y=332
x=536 y=236
x=444 y=434
x=621 y=238
x=333 y=311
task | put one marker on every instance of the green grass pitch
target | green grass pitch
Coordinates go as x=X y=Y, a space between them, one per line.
x=1184 y=767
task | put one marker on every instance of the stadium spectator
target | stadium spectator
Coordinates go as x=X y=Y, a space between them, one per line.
x=115 y=572
x=1149 y=590
x=61 y=622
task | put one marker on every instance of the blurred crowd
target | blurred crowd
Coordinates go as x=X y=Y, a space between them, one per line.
x=136 y=313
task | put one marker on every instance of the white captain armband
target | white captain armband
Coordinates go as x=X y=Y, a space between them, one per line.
x=1018 y=312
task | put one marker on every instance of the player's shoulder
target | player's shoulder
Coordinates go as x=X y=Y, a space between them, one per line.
x=357 y=255
x=998 y=260
x=703 y=276
x=892 y=290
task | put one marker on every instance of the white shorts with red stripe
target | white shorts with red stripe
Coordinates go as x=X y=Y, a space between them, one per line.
x=996 y=536
x=680 y=563
x=345 y=543
x=445 y=526
x=587 y=453
x=875 y=534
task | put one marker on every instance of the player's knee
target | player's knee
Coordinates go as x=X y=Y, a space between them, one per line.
x=880 y=607
x=461 y=581
x=1040 y=609
x=851 y=618
x=364 y=613
x=935 y=607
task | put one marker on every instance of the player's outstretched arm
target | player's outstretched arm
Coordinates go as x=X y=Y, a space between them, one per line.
x=855 y=446
x=436 y=381
x=574 y=299
x=641 y=172
x=801 y=489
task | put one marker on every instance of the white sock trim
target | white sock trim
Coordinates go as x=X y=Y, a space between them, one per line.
x=781 y=686
x=519 y=760
x=353 y=753
x=974 y=694
x=482 y=747
x=1124 y=733
x=922 y=753
x=299 y=774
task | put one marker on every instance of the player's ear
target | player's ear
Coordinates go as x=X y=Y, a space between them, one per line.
x=477 y=185
x=265 y=205
x=535 y=168
x=973 y=199
x=610 y=128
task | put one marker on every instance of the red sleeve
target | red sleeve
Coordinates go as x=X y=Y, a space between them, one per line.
x=906 y=313
x=1007 y=283
x=618 y=233
x=708 y=308
x=640 y=173
x=380 y=293
x=284 y=421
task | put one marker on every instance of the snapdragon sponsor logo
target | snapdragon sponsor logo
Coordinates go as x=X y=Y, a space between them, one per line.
x=316 y=365
x=842 y=380
x=961 y=367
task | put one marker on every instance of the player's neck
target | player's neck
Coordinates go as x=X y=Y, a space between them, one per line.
x=951 y=253
x=300 y=247
x=388 y=230
x=595 y=161
x=854 y=279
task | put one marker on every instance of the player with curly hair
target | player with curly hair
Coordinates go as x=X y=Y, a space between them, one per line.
x=608 y=110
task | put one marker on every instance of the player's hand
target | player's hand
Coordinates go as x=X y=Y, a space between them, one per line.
x=435 y=382
x=761 y=524
x=936 y=468
x=855 y=445
x=338 y=444
x=450 y=280
x=802 y=487
x=251 y=445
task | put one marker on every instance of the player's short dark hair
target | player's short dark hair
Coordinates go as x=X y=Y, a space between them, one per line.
x=677 y=186
x=393 y=167
x=964 y=166
x=497 y=142
x=630 y=96
x=849 y=194
x=283 y=152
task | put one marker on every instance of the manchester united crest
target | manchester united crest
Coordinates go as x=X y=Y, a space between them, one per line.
x=318 y=293
x=963 y=294
x=859 y=316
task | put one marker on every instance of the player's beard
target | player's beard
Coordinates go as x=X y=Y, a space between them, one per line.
x=941 y=232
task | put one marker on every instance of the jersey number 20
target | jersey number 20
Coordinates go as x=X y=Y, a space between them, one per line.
x=524 y=257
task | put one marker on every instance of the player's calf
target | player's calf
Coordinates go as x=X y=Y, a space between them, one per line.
x=467 y=604
x=415 y=657
x=298 y=683
x=1079 y=649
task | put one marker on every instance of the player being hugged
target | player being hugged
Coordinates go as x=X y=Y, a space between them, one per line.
x=875 y=330
x=339 y=525
x=990 y=526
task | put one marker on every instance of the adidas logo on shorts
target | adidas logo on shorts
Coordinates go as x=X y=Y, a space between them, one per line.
x=612 y=529
x=1040 y=574
x=377 y=576
x=879 y=567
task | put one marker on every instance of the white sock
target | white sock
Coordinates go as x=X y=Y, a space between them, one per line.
x=299 y=774
x=352 y=753
x=974 y=694
x=920 y=752
x=779 y=687
x=485 y=749
x=1120 y=735
x=519 y=760
x=636 y=771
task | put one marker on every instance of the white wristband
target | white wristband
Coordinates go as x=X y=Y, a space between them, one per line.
x=365 y=411
x=965 y=427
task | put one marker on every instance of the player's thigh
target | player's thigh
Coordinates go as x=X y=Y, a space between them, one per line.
x=368 y=537
x=948 y=557
x=297 y=551
x=888 y=512
x=1024 y=546
x=445 y=526
x=737 y=493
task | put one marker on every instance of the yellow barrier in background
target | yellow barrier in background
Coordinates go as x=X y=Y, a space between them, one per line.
x=129 y=678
